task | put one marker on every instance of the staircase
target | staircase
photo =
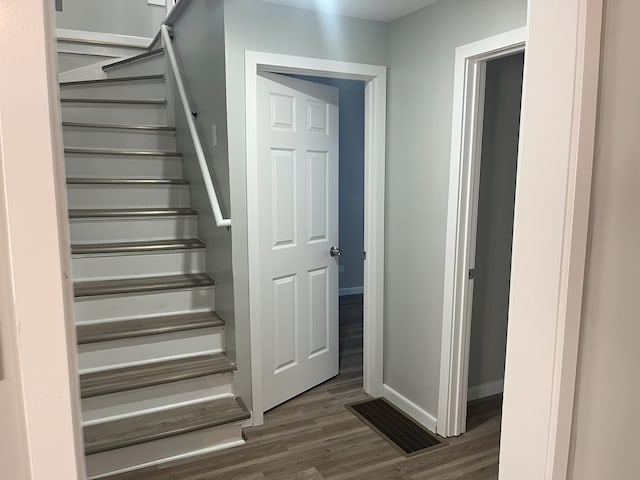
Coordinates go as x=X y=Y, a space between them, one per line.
x=155 y=382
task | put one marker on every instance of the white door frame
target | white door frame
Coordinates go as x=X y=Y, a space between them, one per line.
x=464 y=185
x=375 y=156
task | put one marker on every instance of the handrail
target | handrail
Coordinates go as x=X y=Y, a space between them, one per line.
x=204 y=169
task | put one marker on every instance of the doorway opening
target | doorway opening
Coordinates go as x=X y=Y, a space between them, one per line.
x=490 y=280
x=373 y=82
x=486 y=125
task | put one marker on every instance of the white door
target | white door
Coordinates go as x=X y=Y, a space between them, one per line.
x=298 y=192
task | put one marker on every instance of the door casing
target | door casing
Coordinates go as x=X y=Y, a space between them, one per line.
x=375 y=77
x=464 y=186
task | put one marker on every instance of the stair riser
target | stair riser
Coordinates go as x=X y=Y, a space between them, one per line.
x=70 y=61
x=103 y=49
x=145 y=400
x=127 y=196
x=147 y=66
x=163 y=450
x=115 y=114
x=77 y=137
x=96 y=166
x=90 y=72
x=108 y=267
x=106 y=230
x=102 y=356
x=170 y=302
x=133 y=90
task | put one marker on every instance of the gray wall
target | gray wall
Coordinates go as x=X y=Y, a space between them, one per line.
x=421 y=67
x=259 y=26
x=199 y=43
x=606 y=420
x=351 y=187
x=124 y=17
x=500 y=135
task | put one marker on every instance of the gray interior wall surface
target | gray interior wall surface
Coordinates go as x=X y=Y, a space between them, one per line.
x=259 y=26
x=123 y=17
x=503 y=95
x=421 y=57
x=199 y=44
x=606 y=422
x=351 y=188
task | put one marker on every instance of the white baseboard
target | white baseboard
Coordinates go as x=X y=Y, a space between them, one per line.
x=485 y=390
x=351 y=291
x=420 y=415
x=109 y=38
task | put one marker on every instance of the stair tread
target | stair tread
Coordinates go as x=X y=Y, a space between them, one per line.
x=135 y=58
x=130 y=212
x=114 y=101
x=106 y=331
x=142 y=284
x=123 y=152
x=122 y=126
x=126 y=181
x=139 y=78
x=153 y=426
x=132 y=247
x=130 y=378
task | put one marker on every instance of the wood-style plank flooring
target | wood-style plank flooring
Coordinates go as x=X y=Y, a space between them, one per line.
x=315 y=437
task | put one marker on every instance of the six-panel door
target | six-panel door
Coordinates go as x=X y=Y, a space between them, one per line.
x=298 y=191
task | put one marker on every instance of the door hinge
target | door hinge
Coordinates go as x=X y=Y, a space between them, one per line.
x=472 y=273
x=364 y=255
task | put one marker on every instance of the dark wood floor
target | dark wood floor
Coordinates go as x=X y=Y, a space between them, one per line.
x=315 y=437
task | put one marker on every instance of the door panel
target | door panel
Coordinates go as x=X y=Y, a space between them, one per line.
x=298 y=191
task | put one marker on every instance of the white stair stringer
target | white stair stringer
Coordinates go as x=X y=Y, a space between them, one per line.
x=178 y=447
x=128 y=352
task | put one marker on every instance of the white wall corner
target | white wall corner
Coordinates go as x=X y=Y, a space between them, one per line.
x=419 y=414
x=485 y=390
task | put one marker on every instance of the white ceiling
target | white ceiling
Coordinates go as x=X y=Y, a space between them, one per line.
x=380 y=10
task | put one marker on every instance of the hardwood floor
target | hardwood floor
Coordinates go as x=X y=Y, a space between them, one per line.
x=315 y=437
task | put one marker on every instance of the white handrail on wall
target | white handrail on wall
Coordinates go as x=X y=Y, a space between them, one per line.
x=204 y=169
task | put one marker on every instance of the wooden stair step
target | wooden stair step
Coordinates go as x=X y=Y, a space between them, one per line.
x=130 y=212
x=141 y=285
x=133 y=59
x=138 y=78
x=140 y=376
x=121 y=153
x=136 y=247
x=153 y=426
x=141 y=327
x=119 y=126
x=113 y=101
x=126 y=181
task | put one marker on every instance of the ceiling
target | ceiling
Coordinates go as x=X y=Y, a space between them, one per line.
x=380 y=10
